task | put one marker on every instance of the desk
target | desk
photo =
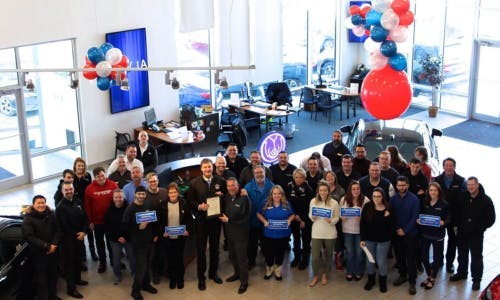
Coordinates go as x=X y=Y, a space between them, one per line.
x=157 y=138
x=351 y=97
x=268 y=113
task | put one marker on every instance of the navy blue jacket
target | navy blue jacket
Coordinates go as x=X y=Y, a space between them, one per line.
x=405 y=210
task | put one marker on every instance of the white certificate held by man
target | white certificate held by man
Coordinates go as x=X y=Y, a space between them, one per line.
x=213 y=206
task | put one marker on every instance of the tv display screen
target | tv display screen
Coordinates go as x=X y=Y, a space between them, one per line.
x=132 y=43
x=150 y=117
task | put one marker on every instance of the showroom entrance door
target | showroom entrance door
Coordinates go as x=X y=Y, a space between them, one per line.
x=486 y=105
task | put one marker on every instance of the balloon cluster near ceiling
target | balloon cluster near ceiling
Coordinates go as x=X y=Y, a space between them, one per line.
x=103 y=59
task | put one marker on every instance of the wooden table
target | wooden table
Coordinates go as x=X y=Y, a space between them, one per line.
x=268 y=113
x=158 y=138
x=351 y=97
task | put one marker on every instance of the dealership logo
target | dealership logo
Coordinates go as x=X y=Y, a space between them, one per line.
x=270 y=146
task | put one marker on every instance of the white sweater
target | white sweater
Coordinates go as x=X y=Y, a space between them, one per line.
x=321 y=229
x=351 y=224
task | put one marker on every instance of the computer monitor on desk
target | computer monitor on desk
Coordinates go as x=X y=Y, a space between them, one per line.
x=150 y=121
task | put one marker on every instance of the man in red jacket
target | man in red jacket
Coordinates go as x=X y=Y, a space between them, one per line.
x=98 y=198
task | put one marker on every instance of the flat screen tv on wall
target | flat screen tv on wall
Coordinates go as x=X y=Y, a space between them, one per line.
x=132 y=43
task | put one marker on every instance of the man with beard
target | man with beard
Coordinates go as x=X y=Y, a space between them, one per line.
x=373 y=179
x=335 y=150
x=121 y=176
x=235 y=162
x=130 y=160
x=247 y=173
x=360 y=163
x=282 y=171
x=388 y=172
x=137 y=180
x=346 y=174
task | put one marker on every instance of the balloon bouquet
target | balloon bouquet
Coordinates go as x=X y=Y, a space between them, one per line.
x=386 y=92
x=103 y=59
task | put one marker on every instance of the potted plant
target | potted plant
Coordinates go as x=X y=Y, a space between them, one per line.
x=432 y=71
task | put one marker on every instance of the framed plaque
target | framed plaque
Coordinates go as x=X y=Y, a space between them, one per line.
x=213 y=206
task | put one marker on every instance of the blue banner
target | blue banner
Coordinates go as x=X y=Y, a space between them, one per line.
x=350 y=212
x=430 y=220
x=321 y=212
x=175 y=230
x=278 y=224
x=145 y=216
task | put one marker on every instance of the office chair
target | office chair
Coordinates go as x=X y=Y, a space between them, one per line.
x=326 y=105
x=279 y=92
x=122 y=140
x=307 y=97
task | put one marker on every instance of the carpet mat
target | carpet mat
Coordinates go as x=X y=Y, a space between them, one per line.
x=474 y=131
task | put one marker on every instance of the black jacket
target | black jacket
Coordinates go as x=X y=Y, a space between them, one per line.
x=474 y=215
x=40 y=230
x=238 y=214
x=417 y=182
x=113 y=225
x=185 y=216
x=335 y=154
x=81 y=184
x=452 y=193
x=149 y=158
x=199 y=192
x=300 y=197
x=136 y=236
x=71 y=218
x=239 y=164
x=440 y=209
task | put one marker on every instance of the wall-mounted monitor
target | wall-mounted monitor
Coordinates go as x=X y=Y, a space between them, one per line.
x=132 y=43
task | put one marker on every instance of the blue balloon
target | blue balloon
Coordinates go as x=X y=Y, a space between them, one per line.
x=398 y=62
x=105 y=47
x=357 y=20
x=388 y=48
x=368 y=27
x=378 y=33
x=95 y=55
x=103 y=83
x=373 y=17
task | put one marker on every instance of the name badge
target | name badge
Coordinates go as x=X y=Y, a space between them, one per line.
x=430 y=220
x=145 y=216
x=321 y=212
x=175 y=230
x=278 y=224
x=350 y=212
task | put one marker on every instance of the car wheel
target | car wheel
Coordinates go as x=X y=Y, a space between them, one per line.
x=6 y=107
x=292 y=83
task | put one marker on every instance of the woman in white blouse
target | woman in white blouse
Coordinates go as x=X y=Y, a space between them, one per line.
x=324 y=212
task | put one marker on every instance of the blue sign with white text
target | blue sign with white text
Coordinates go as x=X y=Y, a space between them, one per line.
x=430 y=220
x=278 y=224
x=175 y=230
x=145 y=216
x=350 y=212
x=321 y=212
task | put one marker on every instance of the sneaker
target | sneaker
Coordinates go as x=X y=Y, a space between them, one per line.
x=400 y=280
x=458 y=277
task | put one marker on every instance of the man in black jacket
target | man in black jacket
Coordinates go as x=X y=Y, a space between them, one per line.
x=475 y=214
x=207 y=228
x=335 y=150
x=73 y=223
x=452 y=185
x=236 y=219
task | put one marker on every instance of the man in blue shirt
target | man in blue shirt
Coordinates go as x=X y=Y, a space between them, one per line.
x=405 y=207
x=137 y=180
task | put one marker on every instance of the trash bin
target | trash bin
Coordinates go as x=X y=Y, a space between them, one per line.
x=288 y=129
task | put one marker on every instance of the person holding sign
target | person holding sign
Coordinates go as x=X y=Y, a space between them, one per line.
x=350 y=213
x=433 y=220
x=204 y=194
x=376 y=230
x=140 y=223
x=324 y=212
x=276 y=215
x=174 y=219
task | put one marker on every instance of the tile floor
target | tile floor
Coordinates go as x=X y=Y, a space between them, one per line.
x=472 y=159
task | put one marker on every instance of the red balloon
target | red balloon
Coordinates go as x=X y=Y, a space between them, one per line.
x=386 y=93
x=400 y=6
x=365 y=10
x=123 y=63
x=87 y=60
x=406 y=18
x=112 y=75
x=354 y=10
x=90 y=74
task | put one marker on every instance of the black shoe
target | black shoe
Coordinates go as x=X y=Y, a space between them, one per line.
x=458 y=277
x=156 y=279
x=476 y=285
x=400 y=280
x=216 y=279
x=303 y=264
x=94 y=256
x=295 y=262
x=251 y=265
x=243 y=288
x=224 y=246
x=172 y=284
x=81 y=282
x=137 y=295
x=232 y=278
x=412 y=290
x=122 y=266
x=75 y=294
x=150 y=289
x=56 y=298
x=180 y=285
x=102 y=268
x=450 y=269
x=201 y=285
x=83 y=267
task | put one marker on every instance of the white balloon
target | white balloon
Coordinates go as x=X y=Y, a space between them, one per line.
x=114 y=56
x=358 y=31
x=399 y=34
x=371 y=45
x=381 y=5
x=348 y=23
x=377 y=61
x=103 y=68
x=389 y=19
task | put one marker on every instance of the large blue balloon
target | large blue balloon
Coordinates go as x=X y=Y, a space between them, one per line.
x=103 y=83
x=398 y=62
x=378 y=34
x=357 y=20
x=373 y=17
x=388 y=48
x=105 y=47
x=95 y=55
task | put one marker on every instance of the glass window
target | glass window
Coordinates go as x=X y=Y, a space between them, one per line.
x=8 y=61
x=294 y=45
x=488 y=17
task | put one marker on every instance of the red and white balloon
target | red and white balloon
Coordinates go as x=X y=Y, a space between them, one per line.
x=104 y=59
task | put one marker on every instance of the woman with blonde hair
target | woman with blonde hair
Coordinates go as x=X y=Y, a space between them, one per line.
x=324 y=212
x=276 y=215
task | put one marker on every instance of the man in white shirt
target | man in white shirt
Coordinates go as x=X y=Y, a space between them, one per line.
x=130 y=160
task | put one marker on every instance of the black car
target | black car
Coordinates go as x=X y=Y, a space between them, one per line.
x=407 y=134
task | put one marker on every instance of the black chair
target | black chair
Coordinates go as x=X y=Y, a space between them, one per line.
x=252 y=120
x=122 y=141
x=307 y=97
x=279 y=92
x=236 y=132
x=326 y=105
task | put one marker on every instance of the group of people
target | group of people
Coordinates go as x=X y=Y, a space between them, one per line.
x=335 y=205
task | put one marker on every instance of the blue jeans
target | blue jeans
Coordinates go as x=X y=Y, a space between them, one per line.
x=379 y=251
x=116 y=248
x=353 y=254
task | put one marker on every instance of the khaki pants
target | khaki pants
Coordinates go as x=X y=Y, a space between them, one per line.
x=320 y=267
